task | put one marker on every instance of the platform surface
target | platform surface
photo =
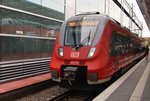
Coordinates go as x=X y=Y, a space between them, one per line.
x=132 y=86
x=16 y=84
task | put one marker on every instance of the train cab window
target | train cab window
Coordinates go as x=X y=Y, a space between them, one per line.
x=80 y=32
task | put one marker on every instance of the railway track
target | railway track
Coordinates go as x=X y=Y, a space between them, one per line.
x=72 y=95
x=19 y=93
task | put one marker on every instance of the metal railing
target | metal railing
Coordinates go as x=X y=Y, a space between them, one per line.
x=12 y=70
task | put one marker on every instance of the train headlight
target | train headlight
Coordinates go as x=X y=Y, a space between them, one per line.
x=61 y=52
x=91 y=52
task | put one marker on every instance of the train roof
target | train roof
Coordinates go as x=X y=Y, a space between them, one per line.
x=89 y=15
x=97 y=15
x=101 y=16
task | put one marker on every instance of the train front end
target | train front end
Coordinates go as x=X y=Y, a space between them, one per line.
x=76 y=57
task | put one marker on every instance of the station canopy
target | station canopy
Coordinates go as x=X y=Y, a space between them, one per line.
x=145 y=9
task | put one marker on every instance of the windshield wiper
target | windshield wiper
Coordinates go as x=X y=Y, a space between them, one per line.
x=85 y=41
x=89 y=37
x=78 y=46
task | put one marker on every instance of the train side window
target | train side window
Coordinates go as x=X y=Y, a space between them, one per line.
x=113 y=45
x=119 y=44
x=123 y=44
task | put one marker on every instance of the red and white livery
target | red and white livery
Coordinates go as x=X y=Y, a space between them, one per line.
x=91 y=48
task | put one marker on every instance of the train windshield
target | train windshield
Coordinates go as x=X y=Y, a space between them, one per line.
x=80 y=32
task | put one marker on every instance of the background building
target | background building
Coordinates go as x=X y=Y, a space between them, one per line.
x=27 y=35
x=120 y=10
x=28 y=28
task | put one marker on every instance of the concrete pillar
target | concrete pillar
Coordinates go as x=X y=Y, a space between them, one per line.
x=70 y=8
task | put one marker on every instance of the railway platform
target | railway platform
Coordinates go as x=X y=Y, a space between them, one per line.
x=20 y=83
x=132 y=86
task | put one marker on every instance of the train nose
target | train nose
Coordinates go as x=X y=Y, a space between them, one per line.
x=74 y=73
x=71 y=53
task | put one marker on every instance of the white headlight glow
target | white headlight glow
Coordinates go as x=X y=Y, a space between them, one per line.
x=91 y=52
x=61 y=52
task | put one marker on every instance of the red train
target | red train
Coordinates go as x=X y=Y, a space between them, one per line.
x=91 y=48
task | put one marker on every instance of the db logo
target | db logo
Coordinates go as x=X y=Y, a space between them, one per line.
x=74 y=54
